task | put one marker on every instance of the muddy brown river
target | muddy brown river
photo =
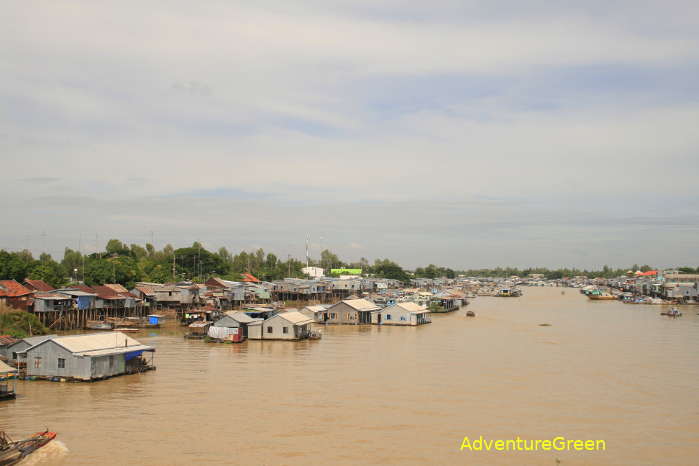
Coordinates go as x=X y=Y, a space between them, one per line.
x=386 y=395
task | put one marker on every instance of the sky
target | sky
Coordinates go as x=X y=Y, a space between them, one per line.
x=461 y=133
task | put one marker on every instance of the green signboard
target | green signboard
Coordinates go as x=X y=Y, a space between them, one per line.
x=345 y=271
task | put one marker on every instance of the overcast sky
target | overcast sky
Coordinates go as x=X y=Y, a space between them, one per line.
x=467 y=134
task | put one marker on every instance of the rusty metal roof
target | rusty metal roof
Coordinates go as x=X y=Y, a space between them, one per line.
x=38 y=285
x=116 y=287
x=7 y=340
x=11 y=289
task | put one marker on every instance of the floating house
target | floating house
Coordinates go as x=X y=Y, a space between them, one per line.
x=317 y=312
x=235 y=320
x=7 y=390
x=402 y=314
x=351 y=312
x=23 y=343
x=282 y=326
x=87 y=357
x=5 y=342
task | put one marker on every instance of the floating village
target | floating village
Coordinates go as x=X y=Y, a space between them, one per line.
x=223 y=311
x=92 y=328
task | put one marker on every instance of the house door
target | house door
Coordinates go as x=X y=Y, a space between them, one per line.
x=379 y=317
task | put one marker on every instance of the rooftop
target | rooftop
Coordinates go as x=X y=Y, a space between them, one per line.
x=361 y=304
x=295 y=317
x=38 y=285
x=12 y=289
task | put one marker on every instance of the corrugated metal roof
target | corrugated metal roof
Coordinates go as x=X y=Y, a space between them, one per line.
x=116 y=287
x=51 y=296
x=33 y=341
x=241 y=317
x=295 y=317
x=96 y=341
x=39 y=285
x=412 y=307
x=361 y=304
x=316 y=308
x=5 y=369
x=146 y=290
x=120 y=350
x=12 y=289
x=7 y=340
x=76 y=292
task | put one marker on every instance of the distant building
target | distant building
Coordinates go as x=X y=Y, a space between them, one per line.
x=313 y=272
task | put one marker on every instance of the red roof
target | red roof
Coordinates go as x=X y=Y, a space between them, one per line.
x=650 y=273
x=7 y=340
x=38 y=285
x=84 y=288
x=105 y=292
x=249 y=278
x=12 y=289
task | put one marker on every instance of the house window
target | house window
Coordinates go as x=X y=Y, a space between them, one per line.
x=402 y=318
x=14 y=355
x=332 y=315
x=37 y=362
x=111 y=361
x=285 y=330
x=388 y=316
x=269 y=329
x=61 y=363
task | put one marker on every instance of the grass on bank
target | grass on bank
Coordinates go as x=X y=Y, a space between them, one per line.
x=19 y=324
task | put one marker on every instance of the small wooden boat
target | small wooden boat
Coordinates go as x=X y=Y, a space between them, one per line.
x=127 y=329
x=12 y=452
x=470 y=314
x=672 y=313
x=98 y=325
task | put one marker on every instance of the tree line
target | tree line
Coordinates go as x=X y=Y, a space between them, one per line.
x=130 y=263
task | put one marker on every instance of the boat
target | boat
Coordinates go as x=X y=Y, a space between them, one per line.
x=470 y=314
x=674 y=312
x=508 y=293
x=127 y=329
x=12 y=452
x=98 y=325
x=602 y=297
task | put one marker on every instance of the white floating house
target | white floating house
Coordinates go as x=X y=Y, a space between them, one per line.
x=406 y=313
x=87 y=357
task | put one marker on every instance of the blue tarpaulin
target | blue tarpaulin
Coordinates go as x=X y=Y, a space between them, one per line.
x=131 y=355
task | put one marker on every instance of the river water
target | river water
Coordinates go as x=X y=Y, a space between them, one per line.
x=388 y=395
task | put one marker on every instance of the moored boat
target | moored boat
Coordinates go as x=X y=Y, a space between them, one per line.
x=98 y=325
x=12 y=452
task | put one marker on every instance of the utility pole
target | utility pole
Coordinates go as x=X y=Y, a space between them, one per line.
x=307 y=252
x=288 y=261
x=43 y=241
x=173 y=267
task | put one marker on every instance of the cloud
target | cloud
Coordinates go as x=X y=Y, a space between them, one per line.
x=533 y=130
